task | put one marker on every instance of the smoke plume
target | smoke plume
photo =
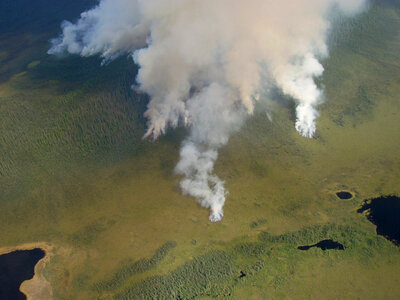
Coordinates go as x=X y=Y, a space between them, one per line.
x=200 y=63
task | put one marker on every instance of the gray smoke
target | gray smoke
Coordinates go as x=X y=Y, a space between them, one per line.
x=200 y=63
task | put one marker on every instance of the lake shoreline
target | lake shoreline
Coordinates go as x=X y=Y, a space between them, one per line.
x=37 y=288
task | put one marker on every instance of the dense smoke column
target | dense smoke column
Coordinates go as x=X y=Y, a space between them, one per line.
x=200 y=63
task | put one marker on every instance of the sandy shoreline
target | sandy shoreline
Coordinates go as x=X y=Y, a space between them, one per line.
x=37 y=288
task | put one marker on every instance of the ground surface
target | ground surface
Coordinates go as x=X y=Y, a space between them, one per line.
x=75 y=173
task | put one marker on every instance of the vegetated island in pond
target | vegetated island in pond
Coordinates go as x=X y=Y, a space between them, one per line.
x=324 y=245
x=25 y=263
x=384 y=212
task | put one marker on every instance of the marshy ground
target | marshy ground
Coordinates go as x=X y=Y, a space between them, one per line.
x=76 y=173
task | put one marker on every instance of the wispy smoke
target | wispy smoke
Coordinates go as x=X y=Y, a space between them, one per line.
x=200 y=63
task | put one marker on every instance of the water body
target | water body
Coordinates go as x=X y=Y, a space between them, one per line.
x=324 y=245
x=16 y=267
x=384 y=212
x=344 y=195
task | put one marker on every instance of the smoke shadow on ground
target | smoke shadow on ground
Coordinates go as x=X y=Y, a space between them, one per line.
x=273 y=97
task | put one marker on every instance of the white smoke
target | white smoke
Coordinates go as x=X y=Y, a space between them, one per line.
x=200 y=63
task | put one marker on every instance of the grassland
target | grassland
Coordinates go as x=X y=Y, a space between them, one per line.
x=75 y=173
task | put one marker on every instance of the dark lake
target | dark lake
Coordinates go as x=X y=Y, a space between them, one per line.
x=16 y=267
x=344 y=195
x=384 y=212
x=324 y=245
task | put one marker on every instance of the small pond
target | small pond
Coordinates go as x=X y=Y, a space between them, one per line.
x=324 y=245
x=344 y=195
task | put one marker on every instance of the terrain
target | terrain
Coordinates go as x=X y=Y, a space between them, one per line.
x=75 y=173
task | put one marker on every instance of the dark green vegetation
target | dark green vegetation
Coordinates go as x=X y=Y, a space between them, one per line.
x=204 y=275
x=75 y=172
x=133 y=268
x=257 y=223
x=217 y=273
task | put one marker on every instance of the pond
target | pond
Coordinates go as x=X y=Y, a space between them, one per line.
x=344 y=195
x=16 y=267
x=384 y=212
x=324 y=245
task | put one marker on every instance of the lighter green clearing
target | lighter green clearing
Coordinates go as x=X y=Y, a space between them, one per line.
x=75 y=172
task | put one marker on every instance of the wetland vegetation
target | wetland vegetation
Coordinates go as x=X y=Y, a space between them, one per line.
x=75 y=172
